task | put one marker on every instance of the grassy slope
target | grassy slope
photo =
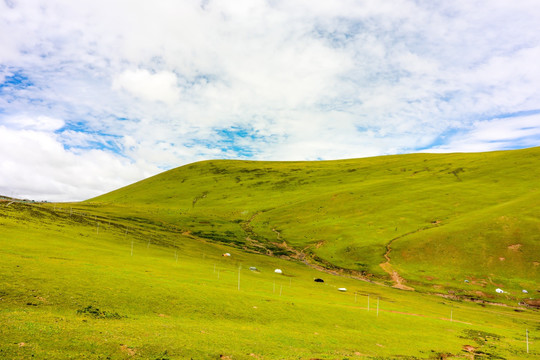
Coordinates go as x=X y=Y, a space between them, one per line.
x=344 y=213
x=178 y=298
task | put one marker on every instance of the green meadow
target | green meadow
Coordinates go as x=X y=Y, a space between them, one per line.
x=138 y=273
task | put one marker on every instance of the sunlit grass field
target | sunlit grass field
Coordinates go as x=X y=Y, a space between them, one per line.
x=139 y=272
x=71 y=288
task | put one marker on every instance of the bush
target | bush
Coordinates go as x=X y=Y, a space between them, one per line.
x=99 y=314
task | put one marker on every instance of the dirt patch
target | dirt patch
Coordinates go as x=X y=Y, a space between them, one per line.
x=357 y=353
x=478 y=282
x=319 y=244
x=514 y=247
x=469 y=348
x=532 y=302
x=399 y=282
x=282 y=245
x=127 y=350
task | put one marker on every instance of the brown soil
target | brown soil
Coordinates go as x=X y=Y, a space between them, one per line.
x=514 y=247
x=319 y=244
x=533 y=302
x=399 y=282
x=478 y=282
x=127 y=350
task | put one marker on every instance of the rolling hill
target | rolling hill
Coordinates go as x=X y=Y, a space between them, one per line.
x=138 y=273
x=440 y=219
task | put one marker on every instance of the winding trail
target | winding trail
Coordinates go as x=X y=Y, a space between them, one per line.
x=399 y=282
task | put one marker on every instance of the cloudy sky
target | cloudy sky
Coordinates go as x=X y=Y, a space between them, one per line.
x=97 y=94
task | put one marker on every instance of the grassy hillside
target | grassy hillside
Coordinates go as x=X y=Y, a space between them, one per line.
x=86 y=282
x=458 y=212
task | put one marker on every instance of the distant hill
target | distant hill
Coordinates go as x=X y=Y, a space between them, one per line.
x=432 y=220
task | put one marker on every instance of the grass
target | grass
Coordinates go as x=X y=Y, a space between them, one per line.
x=69 y=291
x=345 y=213
x=71 y=288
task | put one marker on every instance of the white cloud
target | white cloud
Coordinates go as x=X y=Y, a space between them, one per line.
x=160 y=86
x=495 y=134
x=158 y=83
x=35 y=165
x=39 y=123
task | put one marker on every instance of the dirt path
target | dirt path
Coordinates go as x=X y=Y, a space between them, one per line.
x=399 y=282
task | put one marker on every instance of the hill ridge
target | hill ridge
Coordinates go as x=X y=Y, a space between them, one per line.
x=354 y=208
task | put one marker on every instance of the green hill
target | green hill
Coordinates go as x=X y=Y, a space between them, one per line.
x=139 y=274
x=473 y=215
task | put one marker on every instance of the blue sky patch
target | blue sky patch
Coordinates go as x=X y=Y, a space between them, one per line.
x=18 y=80
x=518 y=114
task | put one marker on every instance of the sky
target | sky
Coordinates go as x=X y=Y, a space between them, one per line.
x=95 y=95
